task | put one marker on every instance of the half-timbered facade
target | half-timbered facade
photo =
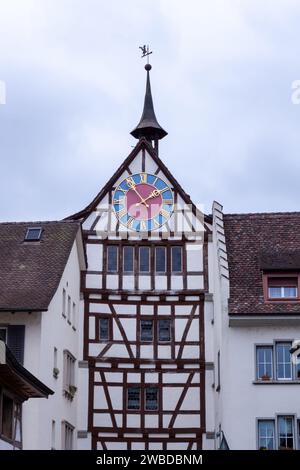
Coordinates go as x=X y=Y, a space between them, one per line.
x=144 y=299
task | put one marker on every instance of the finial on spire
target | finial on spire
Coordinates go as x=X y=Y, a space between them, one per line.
x=148 y=126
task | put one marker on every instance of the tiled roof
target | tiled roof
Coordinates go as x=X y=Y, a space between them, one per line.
x=256 y=242
x=30 y=271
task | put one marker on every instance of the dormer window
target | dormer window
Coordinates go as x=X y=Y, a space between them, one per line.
x=33 y=234
x=281 y=287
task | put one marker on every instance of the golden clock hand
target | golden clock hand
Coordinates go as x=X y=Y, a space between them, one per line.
x=154 y=193
x=142 y=199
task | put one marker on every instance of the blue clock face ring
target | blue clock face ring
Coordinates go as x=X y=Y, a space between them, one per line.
x=143 y=202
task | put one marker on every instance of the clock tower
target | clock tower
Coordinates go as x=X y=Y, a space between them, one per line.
x=144 y=299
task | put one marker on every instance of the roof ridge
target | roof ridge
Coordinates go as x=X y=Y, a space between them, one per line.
x=259 y=214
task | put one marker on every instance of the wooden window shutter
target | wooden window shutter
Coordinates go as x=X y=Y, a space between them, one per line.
x=15 y=341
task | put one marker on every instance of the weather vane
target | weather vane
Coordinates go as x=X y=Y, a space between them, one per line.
x=145 y=52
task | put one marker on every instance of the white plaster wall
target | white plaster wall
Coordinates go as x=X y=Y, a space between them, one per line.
x=243 y=402
x=52 y=330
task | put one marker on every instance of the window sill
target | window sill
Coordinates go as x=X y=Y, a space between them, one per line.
x=276 y=382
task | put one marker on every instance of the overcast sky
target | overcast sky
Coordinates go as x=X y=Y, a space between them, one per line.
x=221 y=82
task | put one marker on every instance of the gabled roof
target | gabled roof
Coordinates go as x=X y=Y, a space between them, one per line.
x=258 y=242
x=31 y=271
x=142 y=144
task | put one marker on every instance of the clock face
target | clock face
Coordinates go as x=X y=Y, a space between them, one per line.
x=143 y=202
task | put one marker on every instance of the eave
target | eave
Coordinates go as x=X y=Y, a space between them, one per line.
x=19 y=380
x=253 y=320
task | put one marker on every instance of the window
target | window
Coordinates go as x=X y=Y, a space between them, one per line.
x=151 y=398
x=133 y=398
x=104 y=330
x=276 y=361
x=64 y=296
x=218 y=388
x=15 y=341
x=266 y=434
x=74 y=315
x=283 y=360
x=53 y=435
x=144 y=259
x=69 y=309
x=164 y=330
x=67 y=436
x=128 y=263
x=146 y=330
x=176 y=259
x=112 y=259
x=282 y=288
x=69 y=374
x=33 y=234
x=264 y=362
x=7 y=417
x=285 y=432
x=3 y=334
x=160 y=259
x=55 y=358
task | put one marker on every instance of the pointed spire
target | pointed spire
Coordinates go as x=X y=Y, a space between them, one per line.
x=148 y=126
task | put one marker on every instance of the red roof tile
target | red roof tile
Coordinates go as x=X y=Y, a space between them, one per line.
x=30 y=271
x=253 y=240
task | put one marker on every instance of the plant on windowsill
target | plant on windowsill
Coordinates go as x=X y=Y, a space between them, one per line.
x=265 y=377
x=55 y=372
x=70 y=391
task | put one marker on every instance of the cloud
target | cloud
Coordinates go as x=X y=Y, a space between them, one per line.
x=221 y=80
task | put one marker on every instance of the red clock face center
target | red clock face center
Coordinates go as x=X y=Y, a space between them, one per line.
x=143 y=202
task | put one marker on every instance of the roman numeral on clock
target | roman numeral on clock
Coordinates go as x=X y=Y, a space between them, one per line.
x=130 y=182
x=143 y=177
x=164 y=213
x=167 y=201
x=143 y=225
x=130 y=222
x=122 y=212
x=120 y=201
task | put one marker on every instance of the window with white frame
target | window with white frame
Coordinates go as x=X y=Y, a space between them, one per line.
x=164 y=330
x=69 y=374
x=285 y=425
x=104 y=329
x=282 y=287
x=67 y=436
x=133 y=398
x=160 y=259
x=151 y=398
x=128 y=259
x=264 y=362
x=266 y=434
x=176 y=259
x=112 y=258
x=144 y=259
x=275 y=362
x=146 y=330
x=283 y=361
x=281 y=436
